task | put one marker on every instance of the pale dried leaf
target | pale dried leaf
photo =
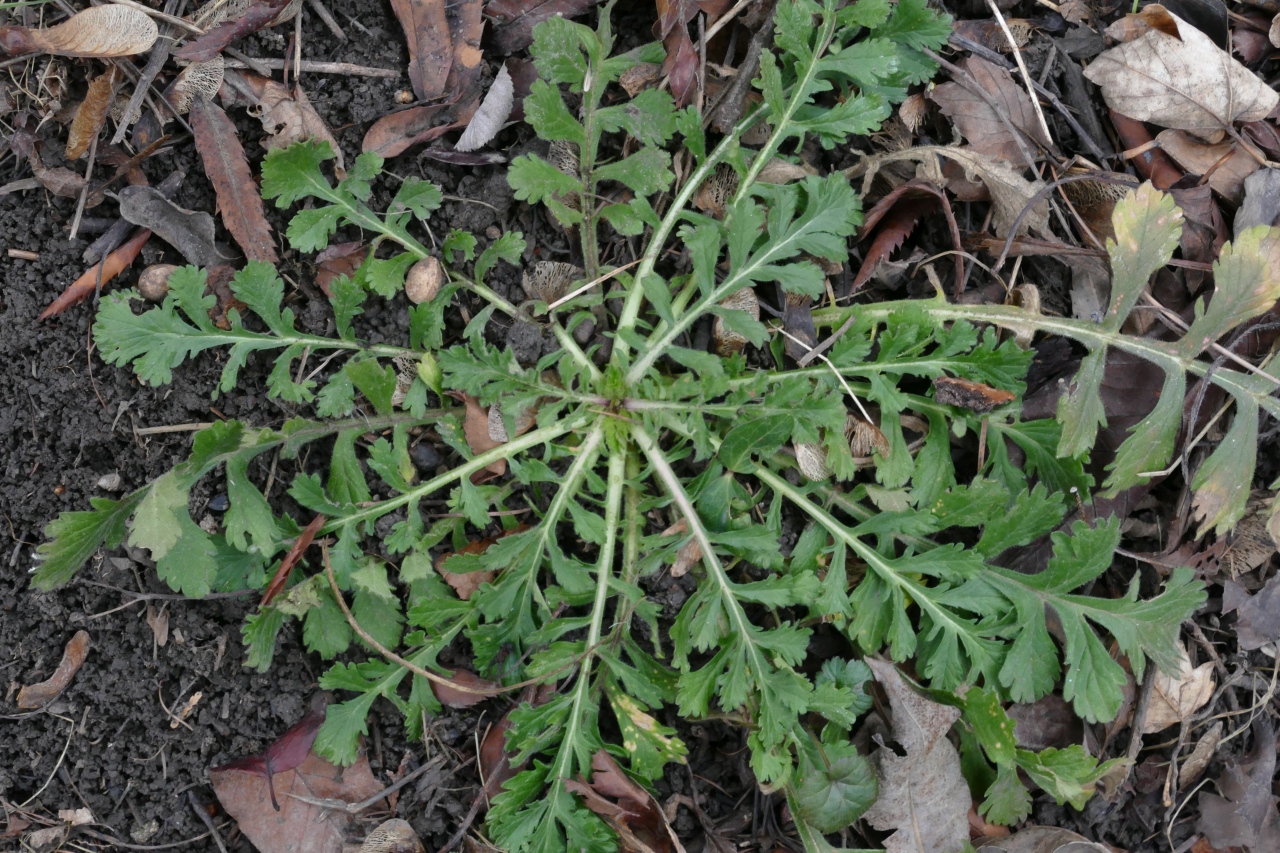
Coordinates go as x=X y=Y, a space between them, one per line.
x=1245 y=814
x=1041 y=839
x=475 y=427
x=1174 y=698
x=493 y=113
x=923 y=796
x=239 y=200
x=1188 y=83
x=1206 y=748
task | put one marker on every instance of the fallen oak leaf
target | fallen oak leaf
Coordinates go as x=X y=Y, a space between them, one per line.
x=73 y=655
x=1188 y=83
x=105 y=271
x=239 y=199
x=99 y=32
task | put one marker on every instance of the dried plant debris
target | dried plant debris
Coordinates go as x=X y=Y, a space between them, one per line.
x=73 y=656
x=1243 y=812
x=1257 y=616
x=923 y=796
x=491 y=115
x=1183 y=81
x=99 y=32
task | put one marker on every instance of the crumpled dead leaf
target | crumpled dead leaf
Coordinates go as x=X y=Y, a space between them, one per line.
x=1188 y=83
x=1041 y=839
x=248 y=787
x=923 y=796
x=191 y=232
x=1245 y=815
x=1010 y=192
x=629 y=809
x=73 y=655
x=1174 y=698
x=287 y=117
x=492 y=114
x=1257 y=616
x=987 y=132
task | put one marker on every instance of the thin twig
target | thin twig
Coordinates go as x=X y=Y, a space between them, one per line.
x=199 y=809
x=322 y=11
x=1022 y=67
x=312 y=66
x=581 y=290
x=159 y=430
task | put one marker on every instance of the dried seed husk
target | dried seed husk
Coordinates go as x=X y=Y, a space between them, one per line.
x=727 y=340
x=1250 y=545
x=641 y=76
x=424 y=280
x=392 y=836
x=99 y=31
x=716 y=191
x=153 y=282
x=779 y=171
x=197 y=80
x=974 y=396
x=550 y=280
x=812 y=461
x=1095 y=199
x=91 y=114
x=406 y=371
x=1027 y=297
x=524 y=421
x=865 y=438
x=564 y=156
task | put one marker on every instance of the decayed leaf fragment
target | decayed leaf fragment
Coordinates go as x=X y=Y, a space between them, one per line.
x=1188 y=83
x=1245 y=815
x=987 y=130
x=430 y=46
x=923 y=796
x=100 y=31
x=91 y=114
x=1176 y=697
x=38 y=695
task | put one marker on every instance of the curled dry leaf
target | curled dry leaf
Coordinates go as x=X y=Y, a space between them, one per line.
x=1257 y=616
x=39 y=695
x=91 y=114
x=225 y=163
x=98 y=275
x=1196 y=763
x=100 y=32
x=629 y=809
x=394 y=134
x=492 y=114
x=465 y=584
x=923 y=796
x=1245 y=814
x=987 y=127
x=233 y=20
x=1184 y=82
x=1175 y=698
x=515 y=19
x=466 y=28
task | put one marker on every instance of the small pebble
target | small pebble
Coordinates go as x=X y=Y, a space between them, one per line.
x=493 y=232
x=425 y=457
x=219 y=503
x=112 y=482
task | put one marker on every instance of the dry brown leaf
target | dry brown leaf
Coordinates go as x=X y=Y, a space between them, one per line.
x=158 y=621
x=230 y=20
x=475 y=427
x=191 y=232
x=1188 y=83
x=1257 y=616
x=1206 y=748
x=394 y=134
x=466 y=27
x=239 y=200
x=515 y=19
x=1133 y=26
x=1174 y=698
x=1041 y=839
x=426 y=28
x=299 y=826
x=1010 y=192
x=111 y=266
x=492 y=114
x=91 y=114
x=923 y=796
x=1245 y=815
x=465 y=584
x=291 y=118
x=1225 y=163
x=629 y=809
x=452 y=697
x=987 y=129
x=39 y=695
x=99 y=31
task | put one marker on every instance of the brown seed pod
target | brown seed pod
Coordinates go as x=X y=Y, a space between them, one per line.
x=564 y=156
x=727 y=340
x=550 y=280
x=865 y=438
x=392 y=836
x=1095 y=200
x=406 y=372
x=424 y=280
x=153 y=282
x=99 y=31
x=197 y=80
x=912 y=111
x=716 y=191
x=812 y=461
x=91 y=114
